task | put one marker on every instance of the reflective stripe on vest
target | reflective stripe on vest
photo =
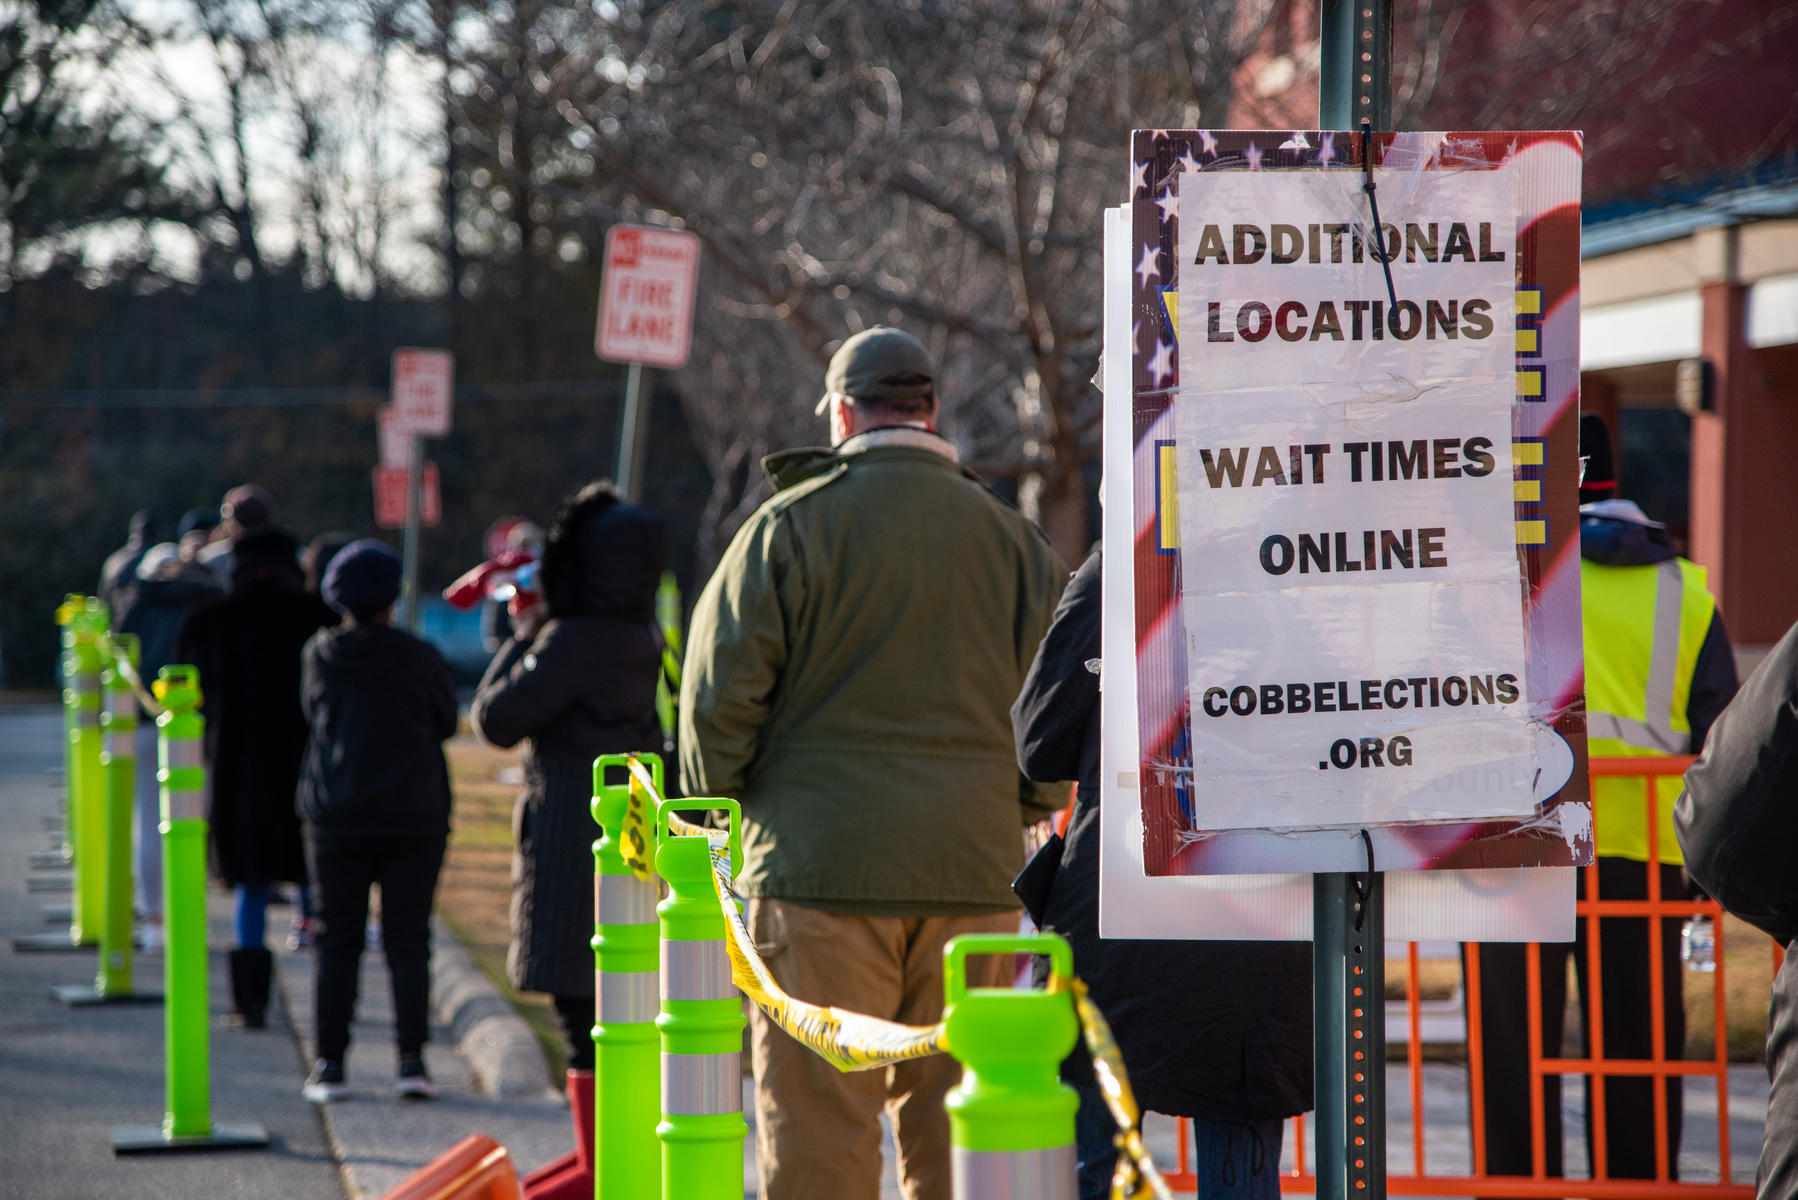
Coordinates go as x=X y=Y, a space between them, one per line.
x=702 y=1085
x=1045 y=1174
x=1643 y=629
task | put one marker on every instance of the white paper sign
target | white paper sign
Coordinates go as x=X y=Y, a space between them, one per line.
x=1351 y=586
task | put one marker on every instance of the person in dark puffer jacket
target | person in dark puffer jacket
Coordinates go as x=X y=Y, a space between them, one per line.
x=577 y=680
x=375 y=798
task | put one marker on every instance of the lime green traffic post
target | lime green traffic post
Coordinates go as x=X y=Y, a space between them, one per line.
x=187 y=1124
x=626 y=1094
x=88 y=784
x=118 y=764
x=65 y=620
x=1011 y=1119
x=702 y=1019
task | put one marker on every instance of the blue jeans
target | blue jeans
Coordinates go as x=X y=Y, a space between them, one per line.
x=1238 y=1160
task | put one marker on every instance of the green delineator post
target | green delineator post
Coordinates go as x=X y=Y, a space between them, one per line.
x=118 y=765
x=1011 y=1119
x=65 y=620
x=88 y=801
x=702 y=1128
x=626 y=1094
x=188 y=1123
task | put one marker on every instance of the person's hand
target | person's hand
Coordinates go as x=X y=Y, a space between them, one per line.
x=527 y=624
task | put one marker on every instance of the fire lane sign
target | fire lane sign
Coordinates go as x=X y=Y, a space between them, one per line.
x=390 y=496
x=646 y=296
x=424 y=382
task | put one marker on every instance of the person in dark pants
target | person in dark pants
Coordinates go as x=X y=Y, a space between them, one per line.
x=375 y=799
x=247 y=647
x=1659 y=672
x=1216 y=1031
x=577 y=679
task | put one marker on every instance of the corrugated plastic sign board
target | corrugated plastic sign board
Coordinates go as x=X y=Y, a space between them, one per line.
x=1351 y=593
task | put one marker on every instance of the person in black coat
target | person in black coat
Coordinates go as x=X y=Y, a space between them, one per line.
x=1737 y=825
x=577 y=679
x=1216 y=1031
x=247 y=648
x=375 y=799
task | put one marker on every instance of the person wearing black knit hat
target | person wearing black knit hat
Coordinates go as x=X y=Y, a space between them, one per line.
x=375 y=799
x=1659 y=672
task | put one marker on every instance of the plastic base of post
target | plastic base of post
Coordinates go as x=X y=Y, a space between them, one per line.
x=150 y=1139
x=84 y=995
x=50 y=860
x=51 y=942
x=50 y=883
x=58 y=914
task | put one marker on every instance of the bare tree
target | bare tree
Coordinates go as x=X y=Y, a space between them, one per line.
x=848 y=164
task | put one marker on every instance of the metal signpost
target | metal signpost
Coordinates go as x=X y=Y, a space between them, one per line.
x=1348 y=911
x=423 y=387
x=645 y=319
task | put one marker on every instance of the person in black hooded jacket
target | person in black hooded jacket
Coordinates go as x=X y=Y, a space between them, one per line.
x=577 y=680
x=1737 y=823
x=375 y=799
x=1216 y=1031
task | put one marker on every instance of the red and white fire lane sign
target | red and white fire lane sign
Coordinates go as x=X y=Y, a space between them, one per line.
x=1350 y=581
x=424 y=383
x=646 y=296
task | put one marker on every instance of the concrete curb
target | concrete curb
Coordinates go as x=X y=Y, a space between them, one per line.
x=499 y=1046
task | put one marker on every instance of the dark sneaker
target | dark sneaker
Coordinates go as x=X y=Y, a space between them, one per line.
x=414 y=1081
x=325 y=1084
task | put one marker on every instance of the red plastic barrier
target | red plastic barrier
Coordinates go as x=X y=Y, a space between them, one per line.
x=571 y=1176
x=476 y=1168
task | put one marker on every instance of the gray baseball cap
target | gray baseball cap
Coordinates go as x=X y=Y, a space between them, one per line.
x=881 y=363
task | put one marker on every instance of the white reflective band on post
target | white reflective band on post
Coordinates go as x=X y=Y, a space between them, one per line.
x=120 y=701
x=1046 y=1174
x=182 y=752
x=625 y=900
x=703 y=1085
x=696 y=971
x=87 y=718
x=87 y=684
x=626 y=997
x=121 y=743
x=183 y=804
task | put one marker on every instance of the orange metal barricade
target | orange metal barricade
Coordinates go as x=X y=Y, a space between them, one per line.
x=475 y=1168
x=1539 y=1185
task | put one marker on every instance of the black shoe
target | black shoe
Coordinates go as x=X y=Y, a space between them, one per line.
x=252 y=969
x=325 y=1084
x=414 y=1081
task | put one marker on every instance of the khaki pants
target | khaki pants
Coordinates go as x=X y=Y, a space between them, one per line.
x=818 y=1128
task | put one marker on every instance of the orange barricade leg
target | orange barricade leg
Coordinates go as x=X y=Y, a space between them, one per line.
x=476 y=1168
x=571 y=1176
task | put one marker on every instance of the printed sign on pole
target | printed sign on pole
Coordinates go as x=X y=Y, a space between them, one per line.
x=390 y=496
x=396 y=444
x=646 y=296
x=424 y=383
x=1348 y=566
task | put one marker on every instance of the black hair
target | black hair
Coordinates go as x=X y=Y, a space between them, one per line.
x=905 y=408
x=560 y=574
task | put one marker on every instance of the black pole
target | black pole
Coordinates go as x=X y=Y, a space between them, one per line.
x=1348 y=910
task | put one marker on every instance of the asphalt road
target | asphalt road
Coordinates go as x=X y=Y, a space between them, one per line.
x=67 y=1075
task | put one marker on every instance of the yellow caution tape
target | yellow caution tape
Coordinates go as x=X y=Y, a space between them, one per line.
x=122 y=661
x=1135 y=1177
x=852 y=1041
x=848 y=1041
x=634 y=840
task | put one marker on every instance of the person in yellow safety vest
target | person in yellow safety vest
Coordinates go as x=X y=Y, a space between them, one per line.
x=1659 y=671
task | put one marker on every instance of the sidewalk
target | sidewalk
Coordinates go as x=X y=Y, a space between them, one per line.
x=68 y=1075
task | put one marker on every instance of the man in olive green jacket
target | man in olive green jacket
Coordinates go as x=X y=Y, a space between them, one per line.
x=849 y=676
